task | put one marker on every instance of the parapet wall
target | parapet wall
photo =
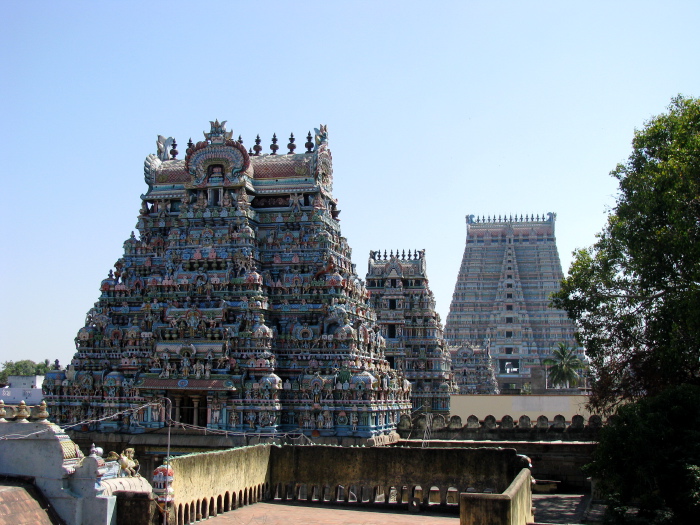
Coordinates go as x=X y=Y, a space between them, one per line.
x=208 y=483
x=532 y=405
x=224 y=472
x=506 y=429
x=512 y=507
x=479 y=469
x=558 y=461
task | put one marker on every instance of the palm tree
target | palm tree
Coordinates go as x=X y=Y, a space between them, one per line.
x=564 y=365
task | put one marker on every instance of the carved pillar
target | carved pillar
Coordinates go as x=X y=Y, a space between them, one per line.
x=178 y=401
x=195 y=404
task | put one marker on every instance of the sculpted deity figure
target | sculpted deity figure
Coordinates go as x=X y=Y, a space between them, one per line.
x=215 y=411
x=185 y=367
x=251 y=419
x=198 y=369
x=201 y=201
x=295 y=201
x=226 y=201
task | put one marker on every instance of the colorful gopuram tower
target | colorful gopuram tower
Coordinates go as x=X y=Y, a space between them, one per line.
x=405 y=306
x=238 y=301
x=501 y=299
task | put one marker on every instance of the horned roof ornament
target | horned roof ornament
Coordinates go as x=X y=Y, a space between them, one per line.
x=218 y=133
x=321 y=135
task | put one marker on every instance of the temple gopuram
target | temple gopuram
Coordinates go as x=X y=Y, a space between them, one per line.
x=500 y=304
x=238 y=301
x=405 y=308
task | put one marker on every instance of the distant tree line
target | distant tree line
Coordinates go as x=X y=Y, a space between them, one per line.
x=25 y=367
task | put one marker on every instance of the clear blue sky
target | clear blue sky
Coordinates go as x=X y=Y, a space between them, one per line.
x=435 y=110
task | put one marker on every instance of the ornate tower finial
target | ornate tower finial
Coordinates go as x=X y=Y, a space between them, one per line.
x=274 y=147
x=173 y=150
x=309 y=145
x=257 y=147
x=218 y=133
x=291 y=146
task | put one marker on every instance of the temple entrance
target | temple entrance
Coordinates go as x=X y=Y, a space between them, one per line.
x=190 y=409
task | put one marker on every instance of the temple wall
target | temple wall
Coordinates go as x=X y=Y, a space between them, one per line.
x=507 y=428
x=560 y=461
x=208 y=483
x=480 y=469
x=532 y=406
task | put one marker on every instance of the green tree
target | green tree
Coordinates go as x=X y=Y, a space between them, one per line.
x=635 y=294
x=649 y=454
x=635 y=297
x=564 y=366
x=25 y=367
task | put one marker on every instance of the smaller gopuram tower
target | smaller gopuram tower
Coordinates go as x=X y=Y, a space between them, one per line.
x=405 y=306
x=501 y=300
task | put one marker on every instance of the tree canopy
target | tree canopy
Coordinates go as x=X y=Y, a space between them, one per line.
x=649 y=455
x=635 y=294
x=25 y=367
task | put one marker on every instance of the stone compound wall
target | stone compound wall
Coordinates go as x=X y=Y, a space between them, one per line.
x=561 y=462
x=558 y=449
x=532 y=405
x=383 y=470
x=507 y=428
x=209 y=483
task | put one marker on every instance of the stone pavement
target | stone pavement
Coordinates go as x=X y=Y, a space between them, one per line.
x=560 y=508
x=570 y=509
x=284 y=514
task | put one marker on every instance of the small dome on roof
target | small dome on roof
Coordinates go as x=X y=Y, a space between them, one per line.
x=363 y=377
x=253 y=278
x=272 y=379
